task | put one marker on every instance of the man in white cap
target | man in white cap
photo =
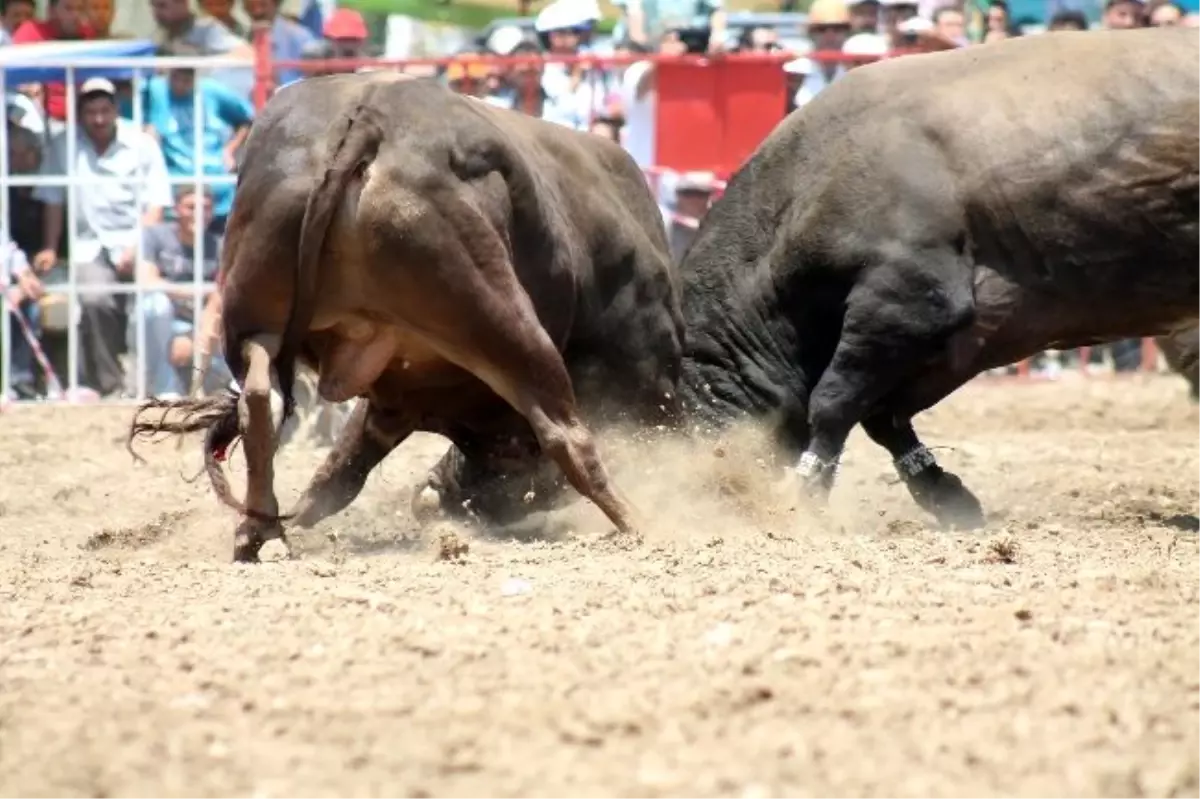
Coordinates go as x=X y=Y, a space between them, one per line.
x=104 y=250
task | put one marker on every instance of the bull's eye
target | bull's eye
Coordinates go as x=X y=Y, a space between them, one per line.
x=470 y=164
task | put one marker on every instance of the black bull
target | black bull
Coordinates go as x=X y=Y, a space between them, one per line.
x=926 y=219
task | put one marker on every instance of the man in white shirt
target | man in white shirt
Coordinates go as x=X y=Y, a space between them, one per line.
x=105 y=218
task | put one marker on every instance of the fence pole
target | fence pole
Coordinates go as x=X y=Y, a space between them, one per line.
x=199 y=201
x=139 y=286
x=6 y=278
x=74 y=312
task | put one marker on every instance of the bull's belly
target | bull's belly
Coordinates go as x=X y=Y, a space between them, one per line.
x=1013 y=322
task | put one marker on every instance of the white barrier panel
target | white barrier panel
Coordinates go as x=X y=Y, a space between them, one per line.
x=138 y=288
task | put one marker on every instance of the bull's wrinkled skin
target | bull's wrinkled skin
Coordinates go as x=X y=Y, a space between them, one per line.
x=930 y=217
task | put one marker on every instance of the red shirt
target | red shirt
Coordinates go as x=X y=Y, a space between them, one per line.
x=34 y=31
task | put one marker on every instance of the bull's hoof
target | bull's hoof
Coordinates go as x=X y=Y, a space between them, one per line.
x=250 y=536
x=816 y=478
x=951 y=503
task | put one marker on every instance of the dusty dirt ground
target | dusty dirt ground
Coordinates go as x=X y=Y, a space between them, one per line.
x=745 y=649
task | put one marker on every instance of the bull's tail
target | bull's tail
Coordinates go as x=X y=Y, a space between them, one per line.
x=351 y=150
x=217 y=416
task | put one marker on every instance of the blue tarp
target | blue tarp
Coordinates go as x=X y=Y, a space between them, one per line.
x=25 y=59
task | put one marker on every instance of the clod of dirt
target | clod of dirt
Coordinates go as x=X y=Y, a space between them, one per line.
x=1003 y=550
x=451 y=547
x=135 y=537
x=1024 y=614
x=904 y=527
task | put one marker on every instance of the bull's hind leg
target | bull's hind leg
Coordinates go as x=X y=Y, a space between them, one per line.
x=258 y=442
x=497 y=337
x=525 y=369
x=465 y=300
x=368 y=437
x=898 y=318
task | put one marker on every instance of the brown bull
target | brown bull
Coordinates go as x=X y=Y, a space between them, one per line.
x=459 y=266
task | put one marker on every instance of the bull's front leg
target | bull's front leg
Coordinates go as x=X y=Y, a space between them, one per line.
x=368 y=437
x=934 y=489
x=261 y=522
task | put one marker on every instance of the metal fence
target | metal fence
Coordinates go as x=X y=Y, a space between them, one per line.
x=71 y=288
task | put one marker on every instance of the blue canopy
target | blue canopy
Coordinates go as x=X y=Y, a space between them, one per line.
x=21 y=62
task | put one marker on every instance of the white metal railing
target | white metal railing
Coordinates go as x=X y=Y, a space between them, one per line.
x=73 y=183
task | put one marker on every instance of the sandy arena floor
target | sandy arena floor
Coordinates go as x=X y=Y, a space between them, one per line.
x=746 y=649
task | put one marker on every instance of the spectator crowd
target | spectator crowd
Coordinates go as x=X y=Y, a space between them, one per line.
x=182 y=225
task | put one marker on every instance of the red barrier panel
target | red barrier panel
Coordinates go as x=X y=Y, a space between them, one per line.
x=728 y=107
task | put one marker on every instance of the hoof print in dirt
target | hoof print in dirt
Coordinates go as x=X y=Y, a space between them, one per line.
x=136 y=536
